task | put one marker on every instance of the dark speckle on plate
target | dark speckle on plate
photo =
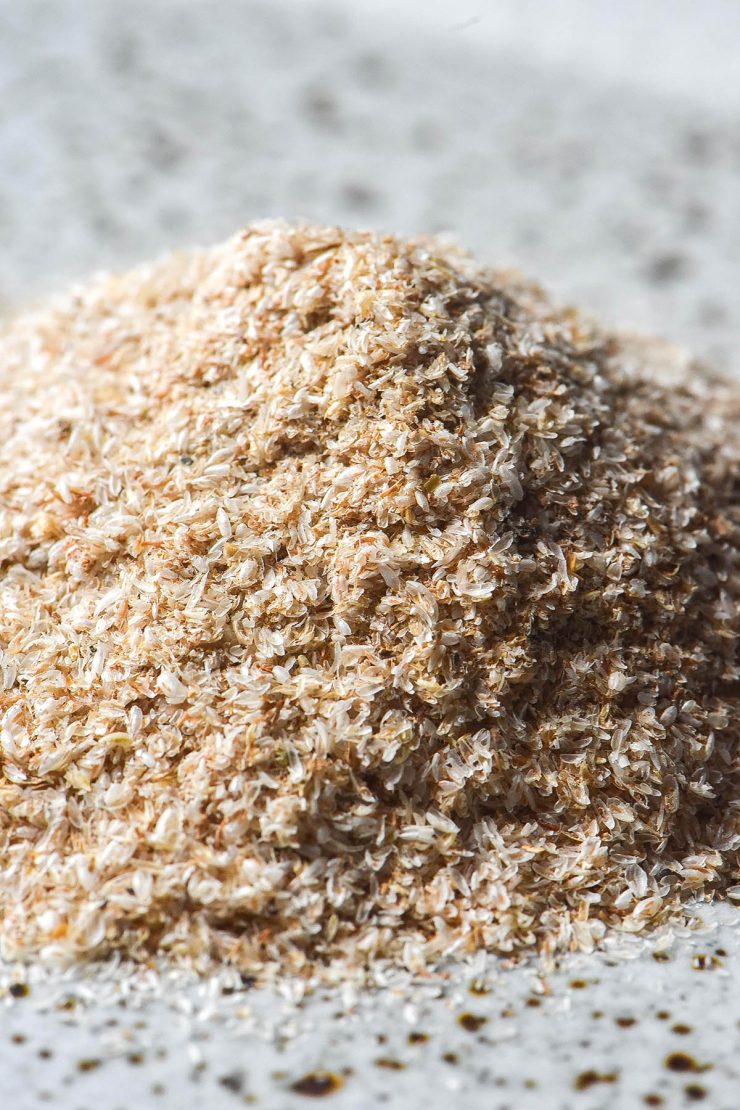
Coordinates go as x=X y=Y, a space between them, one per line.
x=590 y=1078
x=233 y=1081
x=317 y=1084
x=88 y=1064
x=667 y=267
x=681 y=1061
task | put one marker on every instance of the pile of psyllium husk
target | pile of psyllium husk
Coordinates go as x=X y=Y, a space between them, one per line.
x=357 y=606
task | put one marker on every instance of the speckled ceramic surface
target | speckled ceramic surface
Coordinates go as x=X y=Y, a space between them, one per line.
x=606 y=1030
x=598 y=147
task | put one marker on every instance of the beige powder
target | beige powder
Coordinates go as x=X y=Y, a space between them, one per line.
x=356 y=604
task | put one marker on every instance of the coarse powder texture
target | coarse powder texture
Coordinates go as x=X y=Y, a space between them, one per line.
x=356 y=606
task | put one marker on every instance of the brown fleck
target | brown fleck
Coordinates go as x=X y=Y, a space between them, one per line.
x=317 y=1084
x=233 y=1082
x=681 y=1061
x=471 y=1023
x=590 y=1078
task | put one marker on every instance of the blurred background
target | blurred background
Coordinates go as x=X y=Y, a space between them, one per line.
x=595 y=144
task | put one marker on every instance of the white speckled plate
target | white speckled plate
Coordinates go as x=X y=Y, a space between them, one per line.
x=605 y=1030
x=596 y=145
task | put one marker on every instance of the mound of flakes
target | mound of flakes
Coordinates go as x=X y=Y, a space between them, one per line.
x=356 y=605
